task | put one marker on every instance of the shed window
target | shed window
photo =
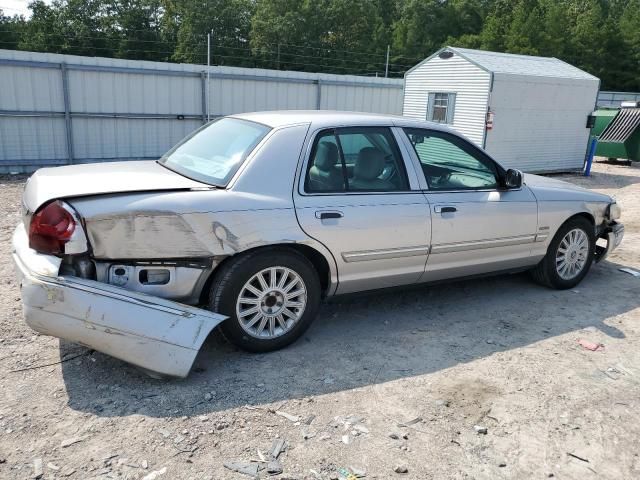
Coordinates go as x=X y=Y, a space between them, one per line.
x=440 y=107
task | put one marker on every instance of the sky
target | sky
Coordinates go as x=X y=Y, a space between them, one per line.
x=17 y=7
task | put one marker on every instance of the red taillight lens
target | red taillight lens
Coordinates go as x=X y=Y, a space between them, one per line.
x=51 y=227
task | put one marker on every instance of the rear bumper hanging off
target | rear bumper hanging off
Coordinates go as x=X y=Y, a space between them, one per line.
x=153 y=333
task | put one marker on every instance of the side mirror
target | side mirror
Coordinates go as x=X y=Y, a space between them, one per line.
x=513 y=178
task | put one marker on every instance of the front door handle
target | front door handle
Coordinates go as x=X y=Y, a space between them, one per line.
x=327 y=214
x=445 y=209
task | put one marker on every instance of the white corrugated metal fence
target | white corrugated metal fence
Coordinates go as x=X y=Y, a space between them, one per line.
x=63 y=109
x=614 y=99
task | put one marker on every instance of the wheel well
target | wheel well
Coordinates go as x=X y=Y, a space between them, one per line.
x=586 y=216
x=316 y=258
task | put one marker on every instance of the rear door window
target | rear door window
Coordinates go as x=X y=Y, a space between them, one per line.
x=356 y=159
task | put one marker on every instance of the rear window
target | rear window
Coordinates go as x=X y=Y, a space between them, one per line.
x=213 y=153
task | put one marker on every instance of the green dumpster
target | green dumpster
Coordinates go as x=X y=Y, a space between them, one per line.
x=618 y=132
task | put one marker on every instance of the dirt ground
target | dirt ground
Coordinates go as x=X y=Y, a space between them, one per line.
x=499 y=353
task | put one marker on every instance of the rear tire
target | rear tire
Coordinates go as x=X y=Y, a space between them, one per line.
x=569 y=256
x=270 y=296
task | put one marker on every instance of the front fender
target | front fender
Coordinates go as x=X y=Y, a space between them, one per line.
x=552 y=214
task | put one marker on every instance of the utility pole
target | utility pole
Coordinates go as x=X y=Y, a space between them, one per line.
x=386 y=68
x=208 y=72
x=278 y=56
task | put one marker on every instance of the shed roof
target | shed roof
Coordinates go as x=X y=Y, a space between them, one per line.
x=509 y=63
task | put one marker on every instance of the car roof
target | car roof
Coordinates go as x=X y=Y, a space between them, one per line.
x=331 y=118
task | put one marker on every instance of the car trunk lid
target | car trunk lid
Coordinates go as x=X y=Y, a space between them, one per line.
x=99 y=179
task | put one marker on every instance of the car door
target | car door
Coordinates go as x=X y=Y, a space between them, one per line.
x=477 y=225
x=360 y=197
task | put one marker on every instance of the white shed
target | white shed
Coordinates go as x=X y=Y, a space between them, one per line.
x=528 y=112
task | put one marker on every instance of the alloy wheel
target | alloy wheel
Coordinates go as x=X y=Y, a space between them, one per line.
x=571 y=256
x=271 y=302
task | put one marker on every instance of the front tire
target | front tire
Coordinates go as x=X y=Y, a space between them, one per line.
x=270 y=296
x=569 y=256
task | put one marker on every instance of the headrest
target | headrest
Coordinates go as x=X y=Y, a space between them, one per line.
x=370 y=163
x=326 y=156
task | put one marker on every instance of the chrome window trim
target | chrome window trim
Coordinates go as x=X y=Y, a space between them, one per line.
x=471 y=190
x=336 y=194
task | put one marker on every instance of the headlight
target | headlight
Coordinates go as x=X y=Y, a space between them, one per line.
x=614 y=211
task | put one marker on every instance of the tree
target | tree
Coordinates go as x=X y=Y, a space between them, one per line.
x=278 y=30
x=71 y=26
x=525 y=33
x=421 y=28
x=136 y=29
x=337 y=36
x=554 y=41
x=10 y=30
x=228 y=22
x=630 y=36
x=322 y=34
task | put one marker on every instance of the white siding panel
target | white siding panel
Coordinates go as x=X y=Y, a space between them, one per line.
x=540 y=122
x=454 y=75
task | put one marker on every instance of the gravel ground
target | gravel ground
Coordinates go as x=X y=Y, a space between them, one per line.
x=379 y=383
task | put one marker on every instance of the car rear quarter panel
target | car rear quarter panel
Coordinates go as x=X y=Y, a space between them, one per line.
x=254 y=211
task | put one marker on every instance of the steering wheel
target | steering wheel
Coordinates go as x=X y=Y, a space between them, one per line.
x=389 y=170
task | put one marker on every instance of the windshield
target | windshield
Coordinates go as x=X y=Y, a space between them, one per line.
x=213 y=153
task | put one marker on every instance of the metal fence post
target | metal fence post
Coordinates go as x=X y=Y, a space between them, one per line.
x=386 y=65
x=318 y=94
x=67 y=112
x=203 y=85
x=116 y=147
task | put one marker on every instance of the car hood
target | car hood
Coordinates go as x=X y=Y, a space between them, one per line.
x=102 y=178
x=546 y=188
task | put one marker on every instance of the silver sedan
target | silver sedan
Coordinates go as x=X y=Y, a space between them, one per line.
x=254 y=219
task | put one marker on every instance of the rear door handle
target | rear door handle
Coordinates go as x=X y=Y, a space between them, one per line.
x=327 y=214
x=444 y=209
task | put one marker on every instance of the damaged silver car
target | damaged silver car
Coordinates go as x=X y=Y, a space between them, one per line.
x=255 y=218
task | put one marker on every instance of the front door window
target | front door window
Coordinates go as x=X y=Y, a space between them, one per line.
x=450 y=163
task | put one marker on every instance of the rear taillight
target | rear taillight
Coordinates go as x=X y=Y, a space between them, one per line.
x=51 y=227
